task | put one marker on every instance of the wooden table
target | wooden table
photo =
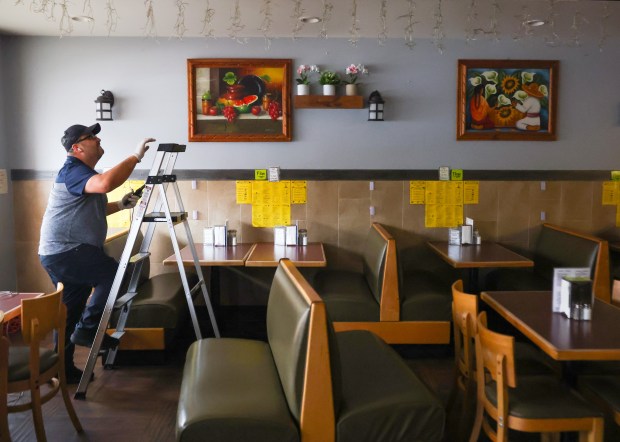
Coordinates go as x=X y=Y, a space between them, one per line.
x=561 y=338
x=269 y=255
x=474 y=257
x=10 y=303
x=215 y=257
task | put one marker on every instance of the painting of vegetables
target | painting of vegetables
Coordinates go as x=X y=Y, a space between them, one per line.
x=249 y=99
x=507 y=100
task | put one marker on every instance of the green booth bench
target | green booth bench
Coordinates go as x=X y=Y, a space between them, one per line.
x=306 y=383
x=414 y=308
x=558 y=247
x=158 y=311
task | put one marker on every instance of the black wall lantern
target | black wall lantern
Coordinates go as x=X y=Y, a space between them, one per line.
x=104 y=103
x=375 y=107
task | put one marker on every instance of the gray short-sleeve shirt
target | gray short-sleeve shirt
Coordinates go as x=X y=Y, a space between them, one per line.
x=73 y=217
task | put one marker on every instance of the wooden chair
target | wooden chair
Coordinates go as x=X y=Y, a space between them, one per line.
x=464 y=314
x=538 y=404
x=28 y=367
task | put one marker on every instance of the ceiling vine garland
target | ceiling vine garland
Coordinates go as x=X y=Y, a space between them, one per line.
x=58 y=11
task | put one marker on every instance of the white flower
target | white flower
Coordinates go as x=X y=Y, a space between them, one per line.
x=475 y=81
x=527 y=77
x=520 y=95
x=491 y=76
x=503 y=100
x=489 y=90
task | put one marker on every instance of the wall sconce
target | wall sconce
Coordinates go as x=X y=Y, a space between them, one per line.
x=375 y=107
x=103 y=106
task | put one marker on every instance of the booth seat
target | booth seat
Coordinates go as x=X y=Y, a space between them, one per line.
x=558 y=247
x=159 y=309
x=306 y=383
x=603 y=390
x=414 y=309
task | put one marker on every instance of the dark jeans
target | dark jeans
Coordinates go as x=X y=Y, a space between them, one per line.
x=80 y=270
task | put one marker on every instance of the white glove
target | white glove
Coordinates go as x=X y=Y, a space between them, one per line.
x=128 y=201
x=141 y=148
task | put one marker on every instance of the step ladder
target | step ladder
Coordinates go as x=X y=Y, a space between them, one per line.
x=160 y=176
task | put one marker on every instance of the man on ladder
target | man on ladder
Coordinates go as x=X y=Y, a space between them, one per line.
x=73 y=231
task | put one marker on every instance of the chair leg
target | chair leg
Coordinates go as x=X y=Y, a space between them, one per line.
x=37 y=413
x=68 y=404
x=465 y=422
x=475 y=431
x=453 y=395
x=5 y=434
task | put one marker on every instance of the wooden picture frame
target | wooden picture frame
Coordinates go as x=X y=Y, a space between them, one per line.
x=507 y=100
x=247 y=87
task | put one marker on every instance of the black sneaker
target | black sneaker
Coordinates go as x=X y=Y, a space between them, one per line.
x=74 y=375
x=85 y=339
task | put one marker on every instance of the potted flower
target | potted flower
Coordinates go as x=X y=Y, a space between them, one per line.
x=352 y=71
x=303 y=82
x=329 y=80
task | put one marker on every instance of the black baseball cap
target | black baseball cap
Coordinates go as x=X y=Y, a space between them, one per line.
x=76 y=131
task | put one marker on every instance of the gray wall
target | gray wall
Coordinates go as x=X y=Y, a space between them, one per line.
x=53 y=83
x=8 y=279
x=47 y=84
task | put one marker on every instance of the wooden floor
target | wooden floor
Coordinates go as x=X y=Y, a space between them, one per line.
x=139 y=403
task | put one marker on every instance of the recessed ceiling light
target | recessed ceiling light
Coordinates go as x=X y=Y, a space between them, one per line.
x=534 y=23
x=310 y=19
x=83 y=19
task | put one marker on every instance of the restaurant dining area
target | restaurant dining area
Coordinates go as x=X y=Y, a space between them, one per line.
x=356 y=221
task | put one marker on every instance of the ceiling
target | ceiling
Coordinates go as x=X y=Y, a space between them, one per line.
x=239 y=19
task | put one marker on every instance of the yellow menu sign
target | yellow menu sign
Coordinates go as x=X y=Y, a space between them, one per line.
x=611 y=189
x=122 y=218
x=444 y=200
x=298 y=192
x=244 y=192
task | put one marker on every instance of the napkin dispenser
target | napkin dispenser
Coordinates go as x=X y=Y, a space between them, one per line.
x=578 y=291
x=219 y=236
x=279 y=235
x=467 y=234
x=291 y=235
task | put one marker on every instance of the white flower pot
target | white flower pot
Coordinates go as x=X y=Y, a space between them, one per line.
x=351 y=89
x=329 y=89
x=303 y=89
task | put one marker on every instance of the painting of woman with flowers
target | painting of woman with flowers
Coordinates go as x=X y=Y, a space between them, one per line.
x=506 y=99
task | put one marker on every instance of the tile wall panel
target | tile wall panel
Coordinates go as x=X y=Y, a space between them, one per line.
x=337 y=214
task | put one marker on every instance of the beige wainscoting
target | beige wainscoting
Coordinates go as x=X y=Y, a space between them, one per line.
x=337 y=214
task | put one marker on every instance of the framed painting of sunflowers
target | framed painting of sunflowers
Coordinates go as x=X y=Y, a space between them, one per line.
x=507 y=100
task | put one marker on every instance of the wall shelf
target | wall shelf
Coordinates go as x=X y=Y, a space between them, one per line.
x=329 y=101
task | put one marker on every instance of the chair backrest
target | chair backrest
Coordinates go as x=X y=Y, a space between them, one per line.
x=494 y=358
x=380 y=269
x=42 y=315
x=464 y=316
x=560 y=247
x=298 y=335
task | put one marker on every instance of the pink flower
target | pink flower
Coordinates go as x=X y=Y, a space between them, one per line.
x=353 y=71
